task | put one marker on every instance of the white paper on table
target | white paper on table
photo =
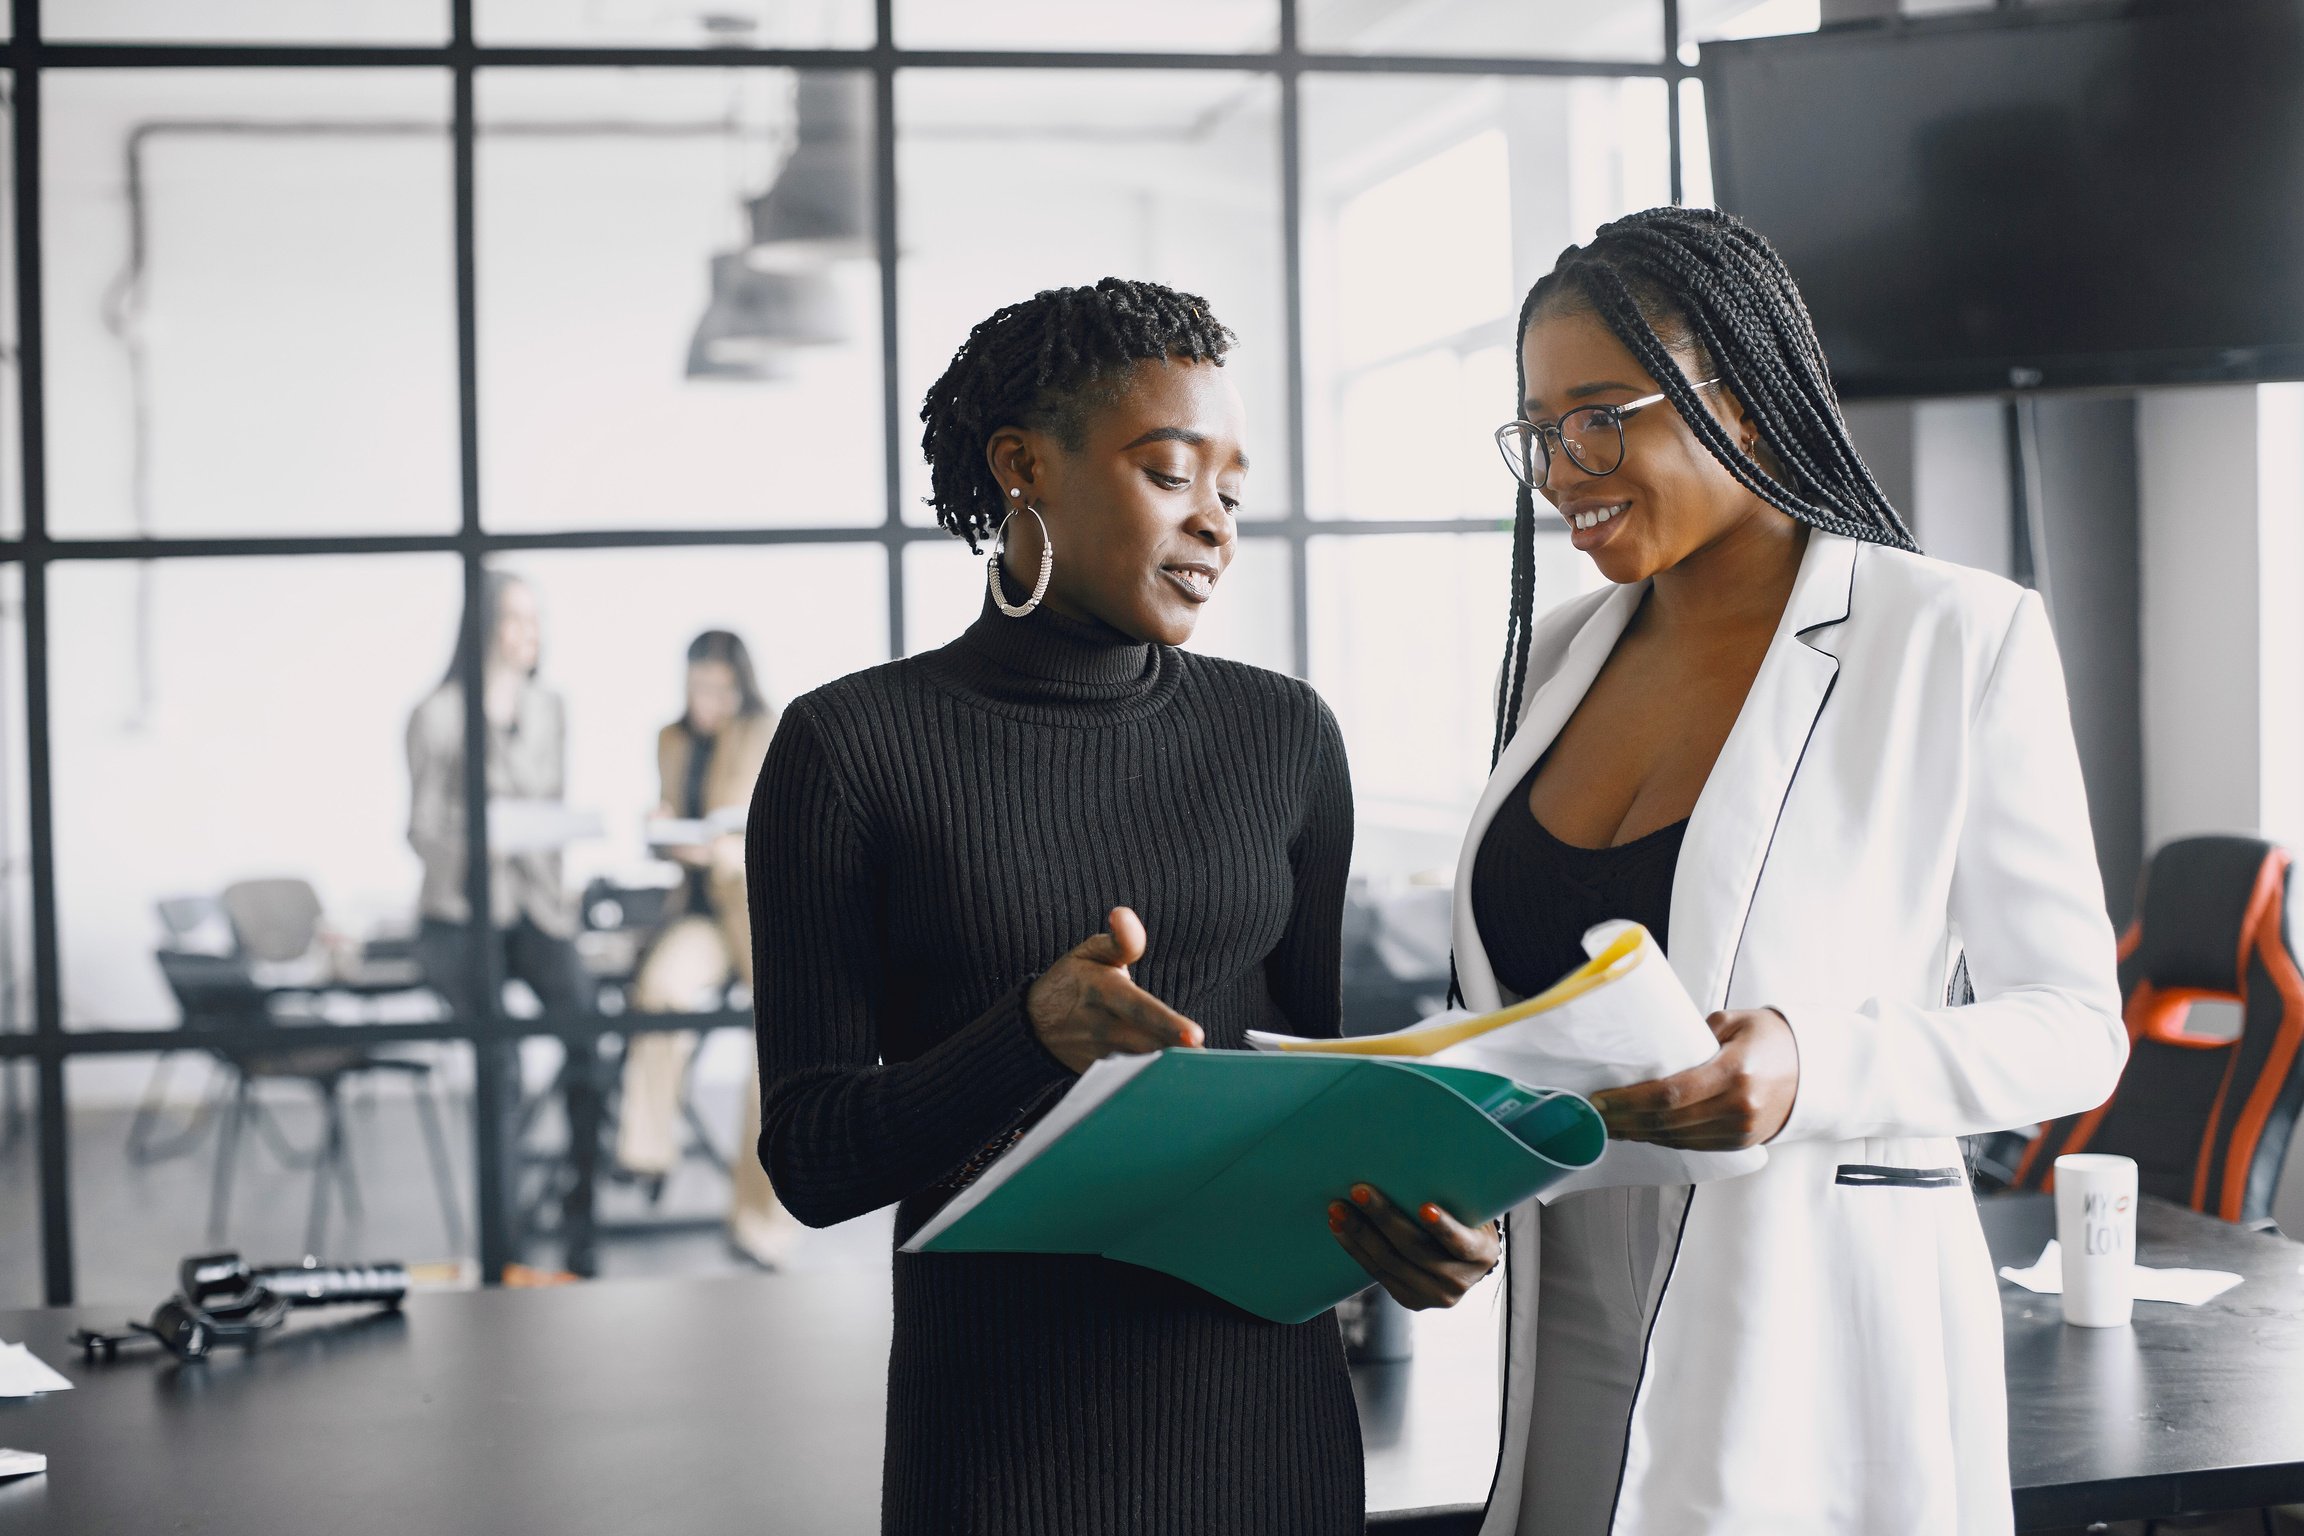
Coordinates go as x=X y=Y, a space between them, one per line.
x=693 y=831
x=22 y=1373
x=537 y=826
x=21 y=1463
x=2185 y=1287
x=1635 y=1027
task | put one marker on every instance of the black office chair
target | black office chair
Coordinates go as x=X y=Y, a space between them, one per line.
x=2208 y=1120
x=218 y=991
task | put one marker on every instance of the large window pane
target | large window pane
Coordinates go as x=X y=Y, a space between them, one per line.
x=1407 y=633
x=1430 y=207
x=11 y=372
x=1551 y=29
x=232 y=781
x=1217 y=26
x=1695 y=147
x=250 y=302
x=1172 y=176
x=943 y=592
x=1248 y=619
x=679 y=304
x=246 y=21
x=645 y=23
x=361 y=1153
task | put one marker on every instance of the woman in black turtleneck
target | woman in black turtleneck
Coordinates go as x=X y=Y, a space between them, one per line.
x=955 y=863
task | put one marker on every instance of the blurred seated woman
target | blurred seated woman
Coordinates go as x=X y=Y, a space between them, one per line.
x=707 y=761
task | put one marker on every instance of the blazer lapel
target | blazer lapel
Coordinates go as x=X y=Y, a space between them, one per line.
x=1726 y=845
x=1541 y=718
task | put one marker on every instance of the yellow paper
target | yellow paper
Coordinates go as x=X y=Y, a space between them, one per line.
x=1628 y=950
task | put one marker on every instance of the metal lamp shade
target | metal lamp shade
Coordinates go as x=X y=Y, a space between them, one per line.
x=756 y=318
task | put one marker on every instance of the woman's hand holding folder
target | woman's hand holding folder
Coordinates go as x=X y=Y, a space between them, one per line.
x=1086 y=1006
x=1430 y=1261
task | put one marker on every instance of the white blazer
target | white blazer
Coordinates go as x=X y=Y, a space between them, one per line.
x=1900 y=786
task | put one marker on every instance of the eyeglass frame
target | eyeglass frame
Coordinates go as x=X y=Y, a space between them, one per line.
x=1613 y=414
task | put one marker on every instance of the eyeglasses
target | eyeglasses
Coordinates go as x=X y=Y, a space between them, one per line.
x=1592 y=437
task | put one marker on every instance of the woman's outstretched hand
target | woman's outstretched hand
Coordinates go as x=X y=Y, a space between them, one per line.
x=1087 y=1006
x=1739 y=1098
x=1427 y=1260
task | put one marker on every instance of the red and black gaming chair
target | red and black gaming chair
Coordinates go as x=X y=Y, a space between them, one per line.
x=2207 y=1120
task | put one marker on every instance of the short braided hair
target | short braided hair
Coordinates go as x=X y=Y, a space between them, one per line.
x=1704 y=280
x=1046 y=364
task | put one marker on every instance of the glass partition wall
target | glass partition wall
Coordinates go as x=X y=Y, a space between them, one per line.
x=333 y=333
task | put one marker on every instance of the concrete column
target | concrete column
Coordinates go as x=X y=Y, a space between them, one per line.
x=1960 y=508
x=2202 y=544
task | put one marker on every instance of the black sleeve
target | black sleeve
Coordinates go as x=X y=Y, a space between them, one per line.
x=841 y=1133
x=1304 y=970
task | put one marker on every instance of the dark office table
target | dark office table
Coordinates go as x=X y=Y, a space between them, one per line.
x=2190 y=1409
x=753 y=1405
x=748 y=1405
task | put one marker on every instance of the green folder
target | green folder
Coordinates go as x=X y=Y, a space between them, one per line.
x=1218 y=1167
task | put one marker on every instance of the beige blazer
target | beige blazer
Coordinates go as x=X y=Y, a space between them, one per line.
x=528 y=761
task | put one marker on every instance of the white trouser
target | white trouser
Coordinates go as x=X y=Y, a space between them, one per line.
x=1595 y=1293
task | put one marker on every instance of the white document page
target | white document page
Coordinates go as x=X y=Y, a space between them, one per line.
x=1636 y=1026
x=22 y=1373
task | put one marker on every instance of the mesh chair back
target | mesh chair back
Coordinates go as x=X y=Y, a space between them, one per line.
x=274 y=920
x=2207 y=1120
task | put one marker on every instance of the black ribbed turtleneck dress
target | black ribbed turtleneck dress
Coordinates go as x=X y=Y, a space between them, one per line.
x=927 y=838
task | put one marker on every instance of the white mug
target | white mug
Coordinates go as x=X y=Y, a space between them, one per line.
x=2096 y=1227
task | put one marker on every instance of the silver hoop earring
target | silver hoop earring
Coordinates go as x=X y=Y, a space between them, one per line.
x=1047 y=565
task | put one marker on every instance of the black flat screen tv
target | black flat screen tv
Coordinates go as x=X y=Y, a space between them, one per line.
x=2076 y=195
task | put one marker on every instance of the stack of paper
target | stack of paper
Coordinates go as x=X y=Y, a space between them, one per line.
x=23 y=1373
x=538 y=826
x=21 y=1463
x=690 y=831
x=1621 y=1018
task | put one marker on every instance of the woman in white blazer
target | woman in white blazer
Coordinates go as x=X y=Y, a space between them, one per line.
x=1824 y=770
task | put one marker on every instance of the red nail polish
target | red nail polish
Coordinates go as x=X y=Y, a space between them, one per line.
x=1430 y=1213
x=1361 y=1194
